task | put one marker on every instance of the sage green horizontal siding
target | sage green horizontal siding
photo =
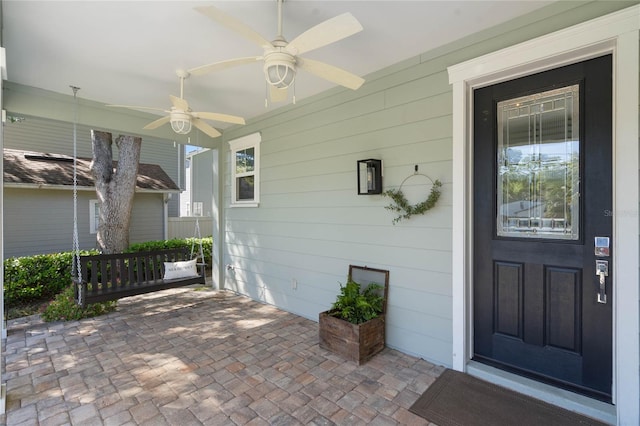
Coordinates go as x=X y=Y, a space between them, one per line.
x=311 y=225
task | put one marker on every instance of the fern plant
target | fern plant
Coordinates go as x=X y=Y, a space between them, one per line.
x=357 y=306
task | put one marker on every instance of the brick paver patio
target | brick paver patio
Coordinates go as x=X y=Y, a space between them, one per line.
x=187 y=357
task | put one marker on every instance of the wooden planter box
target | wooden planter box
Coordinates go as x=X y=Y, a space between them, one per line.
x=356 y=342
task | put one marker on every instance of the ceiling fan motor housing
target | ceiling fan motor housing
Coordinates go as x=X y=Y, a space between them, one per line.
x=279 y=68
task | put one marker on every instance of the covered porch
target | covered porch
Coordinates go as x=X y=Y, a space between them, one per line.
x=187 y=357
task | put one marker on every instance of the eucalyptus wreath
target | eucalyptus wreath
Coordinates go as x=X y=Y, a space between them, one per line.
x=401 y=204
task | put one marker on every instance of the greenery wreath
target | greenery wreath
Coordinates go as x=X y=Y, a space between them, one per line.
x=401 y=204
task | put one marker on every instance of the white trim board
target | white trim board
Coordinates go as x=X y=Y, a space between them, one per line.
x=3 y=76
x=618 y=34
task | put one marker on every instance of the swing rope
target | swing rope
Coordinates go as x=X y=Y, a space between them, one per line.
x=76 y=271
x=198 y=236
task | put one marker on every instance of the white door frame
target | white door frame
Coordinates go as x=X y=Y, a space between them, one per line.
x=618 y=34
x=3 y=76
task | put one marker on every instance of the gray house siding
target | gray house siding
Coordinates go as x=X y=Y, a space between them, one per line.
x=147 y=221
x=40 y=221
x=53 y=136
x=310 y=225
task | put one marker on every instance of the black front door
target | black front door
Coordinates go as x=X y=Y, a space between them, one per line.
x=542 y=195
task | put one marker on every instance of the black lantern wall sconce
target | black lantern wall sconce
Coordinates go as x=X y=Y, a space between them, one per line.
x=369 y=177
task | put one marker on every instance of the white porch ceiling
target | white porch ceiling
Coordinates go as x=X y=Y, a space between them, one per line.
x=127 y=52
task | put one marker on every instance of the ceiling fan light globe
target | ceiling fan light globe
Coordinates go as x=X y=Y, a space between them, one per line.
x=279 y=69
x=181 y=126
x=280 y=75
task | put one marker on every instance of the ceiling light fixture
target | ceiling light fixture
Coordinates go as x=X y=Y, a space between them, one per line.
x=180 y=122
x=181 y=119
x=279 y=69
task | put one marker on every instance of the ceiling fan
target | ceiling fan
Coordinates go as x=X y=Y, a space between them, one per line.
x=281 y=58
x=182 y=117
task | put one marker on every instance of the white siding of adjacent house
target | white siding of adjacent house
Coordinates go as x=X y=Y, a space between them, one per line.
x=202 y=181
x=295 y=248
x=199 y=182
x=185 y=196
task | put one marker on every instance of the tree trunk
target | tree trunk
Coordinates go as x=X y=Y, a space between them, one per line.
x=115 y=187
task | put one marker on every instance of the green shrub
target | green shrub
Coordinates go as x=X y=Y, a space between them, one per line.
x=356 y=306
x=64 y=308
x=37 y=278
x=190 y=243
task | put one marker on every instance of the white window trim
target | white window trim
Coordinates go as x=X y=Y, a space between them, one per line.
x=616 y=33
x=198 y=208
x=250 y=141
x=93 y=226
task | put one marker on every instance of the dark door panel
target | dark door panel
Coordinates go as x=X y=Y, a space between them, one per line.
x=542 y=187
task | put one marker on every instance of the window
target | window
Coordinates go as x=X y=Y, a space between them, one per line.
x=245 y=171
x=94 y=216
x=539 y=165
x=197 y=208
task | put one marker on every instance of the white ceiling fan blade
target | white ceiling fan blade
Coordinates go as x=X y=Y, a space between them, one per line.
x=179 y=103
x=157 y=123
x=327 y=32
x=225 y=118
x=137 y=107
x=206 y=69
x=331 y=73
x=214 y=133
x=277 y=95
x=235 y=25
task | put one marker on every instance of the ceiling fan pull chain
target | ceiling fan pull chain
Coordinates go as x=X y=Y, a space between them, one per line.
x=294 y=92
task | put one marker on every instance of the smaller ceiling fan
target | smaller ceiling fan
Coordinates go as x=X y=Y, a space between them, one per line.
x=281 y=58
x=182 y=117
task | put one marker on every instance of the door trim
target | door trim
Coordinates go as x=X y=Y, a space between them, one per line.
x=618 y=34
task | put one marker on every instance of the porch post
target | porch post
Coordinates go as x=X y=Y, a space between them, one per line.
x=217 y=211
x=3 y=76
x=460 y=267
x=626 y=227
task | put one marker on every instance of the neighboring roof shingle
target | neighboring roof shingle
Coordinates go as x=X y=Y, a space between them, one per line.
x=27 y=167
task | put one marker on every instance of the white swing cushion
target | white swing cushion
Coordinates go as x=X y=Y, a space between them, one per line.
x=182 y=269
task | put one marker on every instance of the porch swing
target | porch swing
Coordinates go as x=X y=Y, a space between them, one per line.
x=106 y=277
